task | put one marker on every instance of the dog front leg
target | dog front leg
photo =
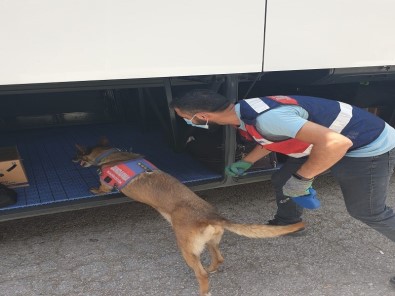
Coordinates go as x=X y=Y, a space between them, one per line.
x=101 y=190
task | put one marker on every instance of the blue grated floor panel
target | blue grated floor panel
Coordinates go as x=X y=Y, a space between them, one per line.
x=53 y=177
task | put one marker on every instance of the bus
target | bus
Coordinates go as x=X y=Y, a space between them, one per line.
x=74 y=71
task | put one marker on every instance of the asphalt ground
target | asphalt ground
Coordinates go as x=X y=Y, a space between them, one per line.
x=129 y=249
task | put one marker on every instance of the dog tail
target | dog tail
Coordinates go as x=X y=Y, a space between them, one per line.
x=262 y=231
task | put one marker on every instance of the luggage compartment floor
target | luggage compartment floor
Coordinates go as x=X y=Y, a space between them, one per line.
x=53 y=177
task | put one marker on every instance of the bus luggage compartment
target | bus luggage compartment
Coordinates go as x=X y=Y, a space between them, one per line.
x=46 y=126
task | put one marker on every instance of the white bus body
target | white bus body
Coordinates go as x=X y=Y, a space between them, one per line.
x=45 y=41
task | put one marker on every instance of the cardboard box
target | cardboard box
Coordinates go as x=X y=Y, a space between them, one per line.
x=12 y=173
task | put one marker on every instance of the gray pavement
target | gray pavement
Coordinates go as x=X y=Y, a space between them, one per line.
x=129 y=249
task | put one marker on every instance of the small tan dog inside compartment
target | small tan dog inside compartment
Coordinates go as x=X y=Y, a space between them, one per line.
x=195 y=222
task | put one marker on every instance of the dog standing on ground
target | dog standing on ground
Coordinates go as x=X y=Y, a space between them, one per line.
x=196 y=223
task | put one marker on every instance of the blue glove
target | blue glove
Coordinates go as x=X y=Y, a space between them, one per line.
x=237 y=168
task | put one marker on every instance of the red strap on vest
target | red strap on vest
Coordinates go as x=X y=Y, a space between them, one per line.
x=246 y=136
x=284 y=100
x=289 y=146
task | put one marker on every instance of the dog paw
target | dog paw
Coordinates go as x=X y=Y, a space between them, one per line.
x=207 y=294
x=212 y=270
x=95 y=191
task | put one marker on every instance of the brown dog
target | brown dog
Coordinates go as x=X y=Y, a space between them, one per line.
x=196 y=223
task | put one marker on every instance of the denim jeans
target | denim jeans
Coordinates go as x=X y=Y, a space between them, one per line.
x=364 y=183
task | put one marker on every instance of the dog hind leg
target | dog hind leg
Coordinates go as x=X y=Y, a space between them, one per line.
x=201 y=274
x=192 y=242
x=215 y=253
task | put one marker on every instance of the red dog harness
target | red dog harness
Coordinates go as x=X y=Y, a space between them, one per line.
x=119 y=175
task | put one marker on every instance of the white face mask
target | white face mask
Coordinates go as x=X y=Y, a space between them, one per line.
x=189 y=121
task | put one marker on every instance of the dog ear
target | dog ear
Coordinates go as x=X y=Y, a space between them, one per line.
x=80 y=148
x=104 y=142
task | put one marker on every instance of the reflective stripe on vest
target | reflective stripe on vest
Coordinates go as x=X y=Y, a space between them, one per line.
x=343 y=118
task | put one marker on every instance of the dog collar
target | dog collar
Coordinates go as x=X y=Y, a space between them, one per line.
x=104 y=155
x=119 y=175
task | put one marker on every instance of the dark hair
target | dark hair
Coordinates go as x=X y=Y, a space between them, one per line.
x=201 y=100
